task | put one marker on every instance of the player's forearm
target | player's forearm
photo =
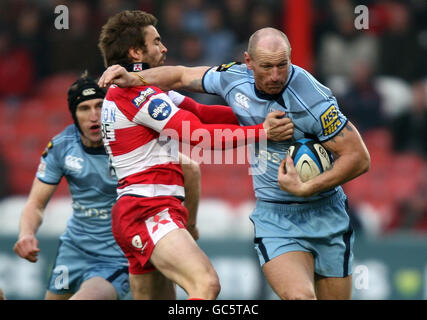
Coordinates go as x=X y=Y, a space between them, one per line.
x=175 y=77
x=189 y=129
x=31 y=219
x=344 y=169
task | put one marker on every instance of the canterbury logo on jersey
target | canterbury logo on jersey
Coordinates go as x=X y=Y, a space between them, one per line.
x=242 y=100
x=73 y=163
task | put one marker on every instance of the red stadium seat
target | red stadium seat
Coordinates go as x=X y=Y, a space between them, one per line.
x=25 y=131
x=56 y=85
x=378 y=140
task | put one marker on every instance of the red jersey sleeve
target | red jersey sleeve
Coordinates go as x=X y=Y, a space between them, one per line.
x=189 y=129
x=210 y=113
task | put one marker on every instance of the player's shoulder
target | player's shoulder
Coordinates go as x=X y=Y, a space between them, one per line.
x=233 y=66
x=232 y=69
x=69 y=134
x=115 y=91
x=137 y=96
x=229 y=75
x=307 y=87
x=304 y=81
x=62 y=141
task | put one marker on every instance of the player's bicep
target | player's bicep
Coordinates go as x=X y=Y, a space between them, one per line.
x=346 y=141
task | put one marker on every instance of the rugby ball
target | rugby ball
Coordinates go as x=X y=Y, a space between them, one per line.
x=310 y=158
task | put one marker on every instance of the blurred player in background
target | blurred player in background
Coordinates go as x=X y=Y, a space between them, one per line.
x=303 y=235
x=148 y=218
x=89 y=263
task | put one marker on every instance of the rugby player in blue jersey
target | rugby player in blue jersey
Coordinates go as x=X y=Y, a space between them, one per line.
x=89 y=264
x=303 y=235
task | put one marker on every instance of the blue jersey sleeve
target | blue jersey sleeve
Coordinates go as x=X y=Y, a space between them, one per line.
x=50 y=170
x=220 y=80
x=330 y=121
x=211 y=81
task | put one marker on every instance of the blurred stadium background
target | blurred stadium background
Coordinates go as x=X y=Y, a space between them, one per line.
x=378 y=76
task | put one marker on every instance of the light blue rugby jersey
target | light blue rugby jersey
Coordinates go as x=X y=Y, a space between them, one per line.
x=309 y=104
x=92 y=185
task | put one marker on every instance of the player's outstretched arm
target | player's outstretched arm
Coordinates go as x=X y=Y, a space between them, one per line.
x=280 y=127
x=32 y=216
x=209 y=113
x=165 y=77
x=351 y=160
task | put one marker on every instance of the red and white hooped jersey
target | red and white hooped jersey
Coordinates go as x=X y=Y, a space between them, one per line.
x=146 y=162
x=131 y=121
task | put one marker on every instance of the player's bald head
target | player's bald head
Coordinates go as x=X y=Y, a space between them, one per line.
x=269 y=39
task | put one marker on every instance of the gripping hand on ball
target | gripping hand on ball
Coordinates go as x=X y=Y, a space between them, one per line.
x=289 y=180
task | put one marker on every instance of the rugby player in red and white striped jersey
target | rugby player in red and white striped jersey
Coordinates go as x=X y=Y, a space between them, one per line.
x=142 y=128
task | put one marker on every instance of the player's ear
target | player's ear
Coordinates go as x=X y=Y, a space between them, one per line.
x=248 y=60
x=135 y=54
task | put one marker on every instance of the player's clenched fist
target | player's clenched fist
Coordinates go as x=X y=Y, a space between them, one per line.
x=278 y=127
x=27 y=247
x=118 y=75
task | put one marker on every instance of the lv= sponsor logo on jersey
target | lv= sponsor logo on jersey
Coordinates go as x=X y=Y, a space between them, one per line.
x=143 y=96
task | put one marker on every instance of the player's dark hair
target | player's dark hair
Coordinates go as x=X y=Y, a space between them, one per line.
x=123 y=31
x=83 y=89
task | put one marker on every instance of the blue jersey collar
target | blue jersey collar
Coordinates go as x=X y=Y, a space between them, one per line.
x=94 y=150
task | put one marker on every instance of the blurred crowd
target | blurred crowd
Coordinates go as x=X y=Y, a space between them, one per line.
x=378 y=75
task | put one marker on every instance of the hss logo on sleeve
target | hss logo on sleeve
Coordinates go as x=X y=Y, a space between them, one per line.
x=330 y=121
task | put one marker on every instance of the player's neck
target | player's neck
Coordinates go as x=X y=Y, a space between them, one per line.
x=90 y=144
